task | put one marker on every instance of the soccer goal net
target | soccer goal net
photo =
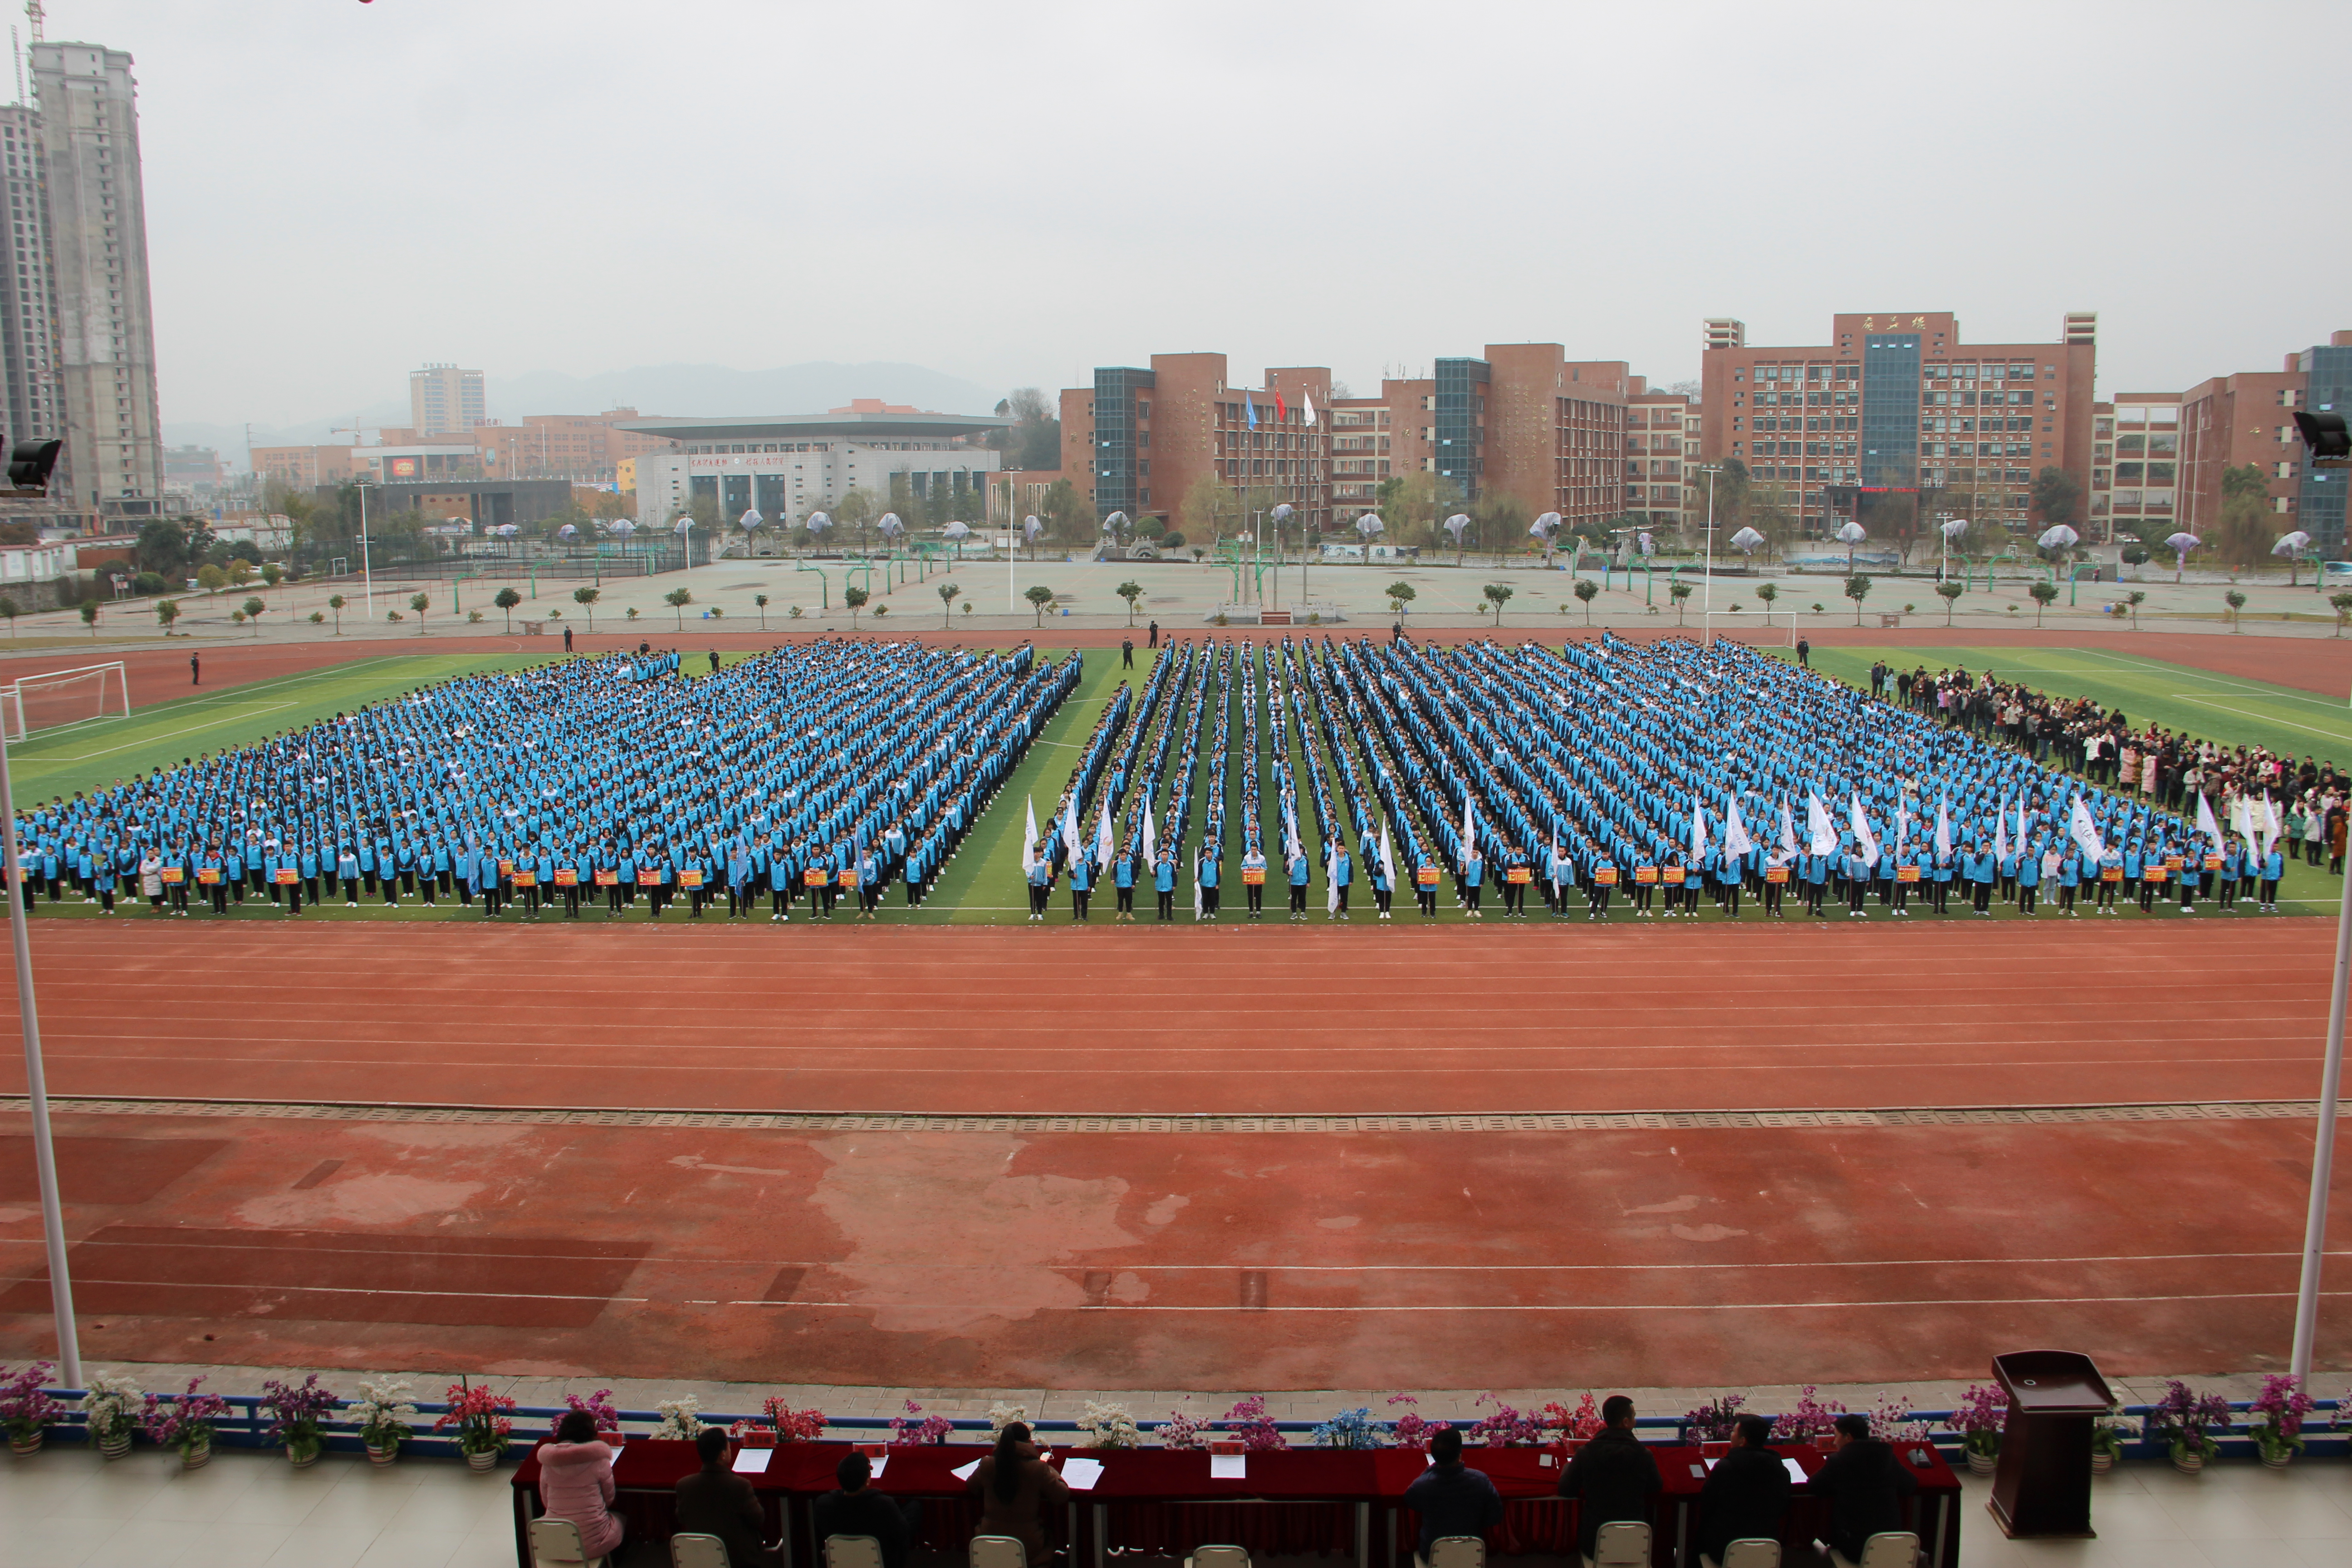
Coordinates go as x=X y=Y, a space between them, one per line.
x=1757 y=628
x=61 y=697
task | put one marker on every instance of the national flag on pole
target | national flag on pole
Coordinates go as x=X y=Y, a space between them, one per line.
x=1250 y=408
x=2085 y=831
x=1862 y=837
x=1817 y=823
x=1307 y=408
x=1029 y=844
x=1102 y=839
x=1281 y=411
x=1737 y=845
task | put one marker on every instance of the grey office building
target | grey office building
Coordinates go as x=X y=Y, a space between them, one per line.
x=29 y=408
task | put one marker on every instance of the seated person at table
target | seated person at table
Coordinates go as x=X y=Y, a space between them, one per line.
x=858 y=1509
x=715 y=1500
x=1451 y=1497
x=1865 y=1483
x=1747 y=1492
x=1014 y=1488
x=575 y=1482
x=1613 y=1476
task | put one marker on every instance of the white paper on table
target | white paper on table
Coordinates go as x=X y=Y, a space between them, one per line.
x=1796 y=1470
x=1228 y=1466
x=753 y=1461
x=963 y=1472
x=881 y=1465
x=1082 y=1474
x=1698 y=1472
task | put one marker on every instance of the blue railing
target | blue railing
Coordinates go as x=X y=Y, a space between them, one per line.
x=246 y=1428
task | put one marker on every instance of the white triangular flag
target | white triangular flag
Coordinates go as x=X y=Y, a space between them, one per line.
x=1102 y=839
x=2207 y=826
x=1332 y=883
x=1737 y=845
x=1469 y=830
x=1388 y=861
x=1306 y=402
x=1070 y=829
x=1863 y=839
x=1817 y=823
x=1698 y=835
x=1029 y=844
x=2085 y=831
x=2000 y=835
x=1788 y=830
x=1943 y=829
x=1150 y=839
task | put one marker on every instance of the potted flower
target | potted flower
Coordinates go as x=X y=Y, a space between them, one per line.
x=2275 y=1418
x=297 y=1412
x=383 y=1413
x=481 y=1422
x=1568 y=1429
x=599 y=1406
x=2108 y=1435
x=1711 y=1425
x=1982 y=1411
x=1350 y=1430
x=26 y=1409
x=905 y=1434
x=184 y=1423
x=2182 y=1416
x=111 y=1406
x=681 y=1420
x=1107 y=1425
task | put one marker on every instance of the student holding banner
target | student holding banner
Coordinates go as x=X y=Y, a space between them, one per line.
x=1776 y=883
x=1425 y=878
x=1596 y=892
x=1254 y=877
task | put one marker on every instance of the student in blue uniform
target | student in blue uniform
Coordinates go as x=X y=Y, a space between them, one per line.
x=1082 y=868
x=1123 y=879
x=1206 y=870
x=1163 y=882
x=1342 y=872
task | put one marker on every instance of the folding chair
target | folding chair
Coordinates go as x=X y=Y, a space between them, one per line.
x=1757 y=1551
x=692 y=1550
x=852 y=1551
x=1887 y=1549
x=998 y=1552
x=1622 y=1544
x=555 y=1543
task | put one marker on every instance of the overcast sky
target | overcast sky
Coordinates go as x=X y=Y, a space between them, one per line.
x=338 y=192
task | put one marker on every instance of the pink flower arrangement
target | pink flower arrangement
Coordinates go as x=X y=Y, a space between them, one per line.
x=598 y=1405
x=185 y=1423
x=930 y=1429
x=1247 y=1420
x=1505 y=1428
x=24 y=1409
x=1564 y=1424
x=1811 y=1419
x=2276 y=1415
x=1180 y=1431
x=1412 y=1430
x=1892 y=1420
x=295 y=1412
x=479 y=1416
x=1982 y=1412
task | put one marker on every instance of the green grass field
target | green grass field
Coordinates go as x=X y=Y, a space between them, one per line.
x=983 y=883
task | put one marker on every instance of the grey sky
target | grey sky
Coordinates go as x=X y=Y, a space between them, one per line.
x=338 y=192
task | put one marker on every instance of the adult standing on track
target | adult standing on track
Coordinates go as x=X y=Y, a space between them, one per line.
x=196 y=670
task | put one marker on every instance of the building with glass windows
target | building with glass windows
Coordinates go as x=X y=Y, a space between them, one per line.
x=2230 y=421
x=1901 y=418
x=788 y=466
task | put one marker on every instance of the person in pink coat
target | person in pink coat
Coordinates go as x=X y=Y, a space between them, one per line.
x=575 y=1482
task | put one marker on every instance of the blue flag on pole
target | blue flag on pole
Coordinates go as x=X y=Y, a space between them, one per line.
x=1249 y=408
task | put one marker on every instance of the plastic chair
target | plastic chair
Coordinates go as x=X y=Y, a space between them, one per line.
x=852 y=1551
x=1456 y=1552
x=998 y=1552
x=1622 y=1544
x=1887 y=1549
x=1756 y=1551
x=555 y=1543
x=1218 y=1557
x=692 y=1550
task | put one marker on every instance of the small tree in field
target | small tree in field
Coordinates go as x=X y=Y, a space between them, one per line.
x=10 y=608
x=1950 y=594
x=1497 y=594
x=948 y=592
x=677 y=599
x=1040 y=596
x=1586 y=590
x=2236 y=601
x=1768 y=592
x=252 y=608
x=1680 y=593
x=507 y=599
x=853 y=599
x=167 y=611
x=318 y=618
x=420 y=603
x=90 y=616
x=2340 y=603
x=760 y=600
x=1131 y=591
x=211 y=578
x=2044 y=594
x=2135 y=599
x=1857 y=588
x=336 y=602
x=586 y=599
x=1399 y=595
x=272 y=575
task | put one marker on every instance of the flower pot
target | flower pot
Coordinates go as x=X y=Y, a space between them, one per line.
x=1982 y=1464
x=197 y=1456
x=2101 y=1461
x=115 y=1446
x=383 y=1453
x=28 y=1442
x=2189 y=1461
x=302 y=1455
x=483 y=1462
x=2279 y=1460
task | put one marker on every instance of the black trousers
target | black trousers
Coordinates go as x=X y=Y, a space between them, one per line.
x=1256 y=896
x=1079 y=896
x=1167 y=906
x=1126 y=901
x=1298 y=897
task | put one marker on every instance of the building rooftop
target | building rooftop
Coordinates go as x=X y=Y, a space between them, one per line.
x=874 y=424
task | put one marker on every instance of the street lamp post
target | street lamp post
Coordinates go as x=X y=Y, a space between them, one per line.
x=1706 y=587
x=367 y=567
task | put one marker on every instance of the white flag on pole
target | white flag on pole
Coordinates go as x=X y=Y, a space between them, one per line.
x=2000 y=834
x=1736 y=842
x=1469 y=830
x=1698 y=835
x=1070 y=828
x=1817 y=823
x=2023 y=842
x=1306 y=402
x=1029 y=844
x=1151 y=839
x=1196 y=881
x=1388 y=861
x=2272 y=827
x=1788 y=831
x=1902 y=828
x=2085 y=831
x=1102 y=839
x=1863 y=839
x=1943 y=830
x=2207 y=826
x=1332 y=883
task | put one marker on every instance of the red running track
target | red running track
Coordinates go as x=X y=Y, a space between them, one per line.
x=1385 y=1020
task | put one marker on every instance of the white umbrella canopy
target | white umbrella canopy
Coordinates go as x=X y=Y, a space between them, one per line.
x=683 y=525
x=624 y=527
x=751 y=520
x=507 y=530
x=1954 y=527
x=2059 y=538
x=2294 y=543
x=889 y=522
x=567 y=532
x=1281 y=514
x=1114 y=523
x=1369 y=525
x=1545 y=526
x=1851 y=533
x=2183 y=543
x=819 y=521
x=1456 y=524
x=1031 y=528
x=955 y=530
x=1746 y=541
x=1648 y=543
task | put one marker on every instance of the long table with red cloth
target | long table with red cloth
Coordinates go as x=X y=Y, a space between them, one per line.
x=1292 y=1503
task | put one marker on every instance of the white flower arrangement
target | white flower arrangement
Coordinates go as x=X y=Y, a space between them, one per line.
x=681 y=1419
x=384 y=1411
x=1001 y=1416
x=111 y=1403
x=1107 y=1425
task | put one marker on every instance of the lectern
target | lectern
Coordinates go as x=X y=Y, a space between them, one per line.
x=2042 y=1485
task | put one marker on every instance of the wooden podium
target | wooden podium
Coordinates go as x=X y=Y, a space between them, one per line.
x=2041 y=1486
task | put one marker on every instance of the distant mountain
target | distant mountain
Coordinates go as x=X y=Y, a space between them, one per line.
x=690 y=390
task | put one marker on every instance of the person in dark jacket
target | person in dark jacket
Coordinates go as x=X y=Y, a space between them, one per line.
x=715 y=1500
x=1747 y=1492
x=1016 y=1491
x=1865 y=1484
x=858 y=1509
x=1451 y=1497
x=1613 y=1477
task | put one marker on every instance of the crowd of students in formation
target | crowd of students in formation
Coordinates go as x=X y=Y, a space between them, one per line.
x=817 y=771
x=1667 y=778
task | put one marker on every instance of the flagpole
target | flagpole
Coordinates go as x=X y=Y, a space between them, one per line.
x=2323 y=1154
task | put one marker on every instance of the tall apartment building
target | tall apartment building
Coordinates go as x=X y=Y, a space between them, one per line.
x=1664 y=485
x=2135 y=467
x=30 y=393
x=105 y=363
x=1900 y=406
x=2230 y=421
x=443 y=400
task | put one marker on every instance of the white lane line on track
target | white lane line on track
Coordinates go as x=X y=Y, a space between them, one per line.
x=1453 y=1307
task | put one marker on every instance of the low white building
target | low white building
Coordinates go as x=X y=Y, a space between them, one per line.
x=786 y=467
x=43 y=562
